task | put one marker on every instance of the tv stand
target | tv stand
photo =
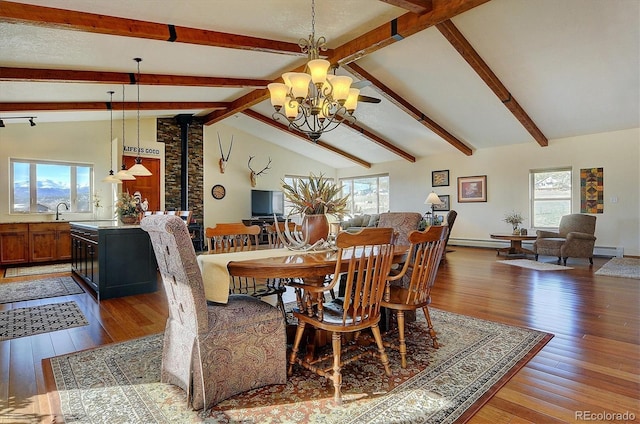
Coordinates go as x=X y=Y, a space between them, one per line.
x=263 y=222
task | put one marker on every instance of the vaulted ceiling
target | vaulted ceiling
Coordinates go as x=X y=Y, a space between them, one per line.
x=452 y=75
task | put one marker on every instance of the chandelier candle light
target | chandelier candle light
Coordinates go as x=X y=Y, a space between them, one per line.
x=314 y=102
x=139 y=170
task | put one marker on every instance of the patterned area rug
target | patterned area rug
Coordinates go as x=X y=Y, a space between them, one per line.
x=538 y=266
x=120 y=382
x=621 y=267
x=38 y=289
x=37 y=269
x=21 y=322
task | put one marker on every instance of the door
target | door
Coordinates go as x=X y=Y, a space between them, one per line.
x=149 y=187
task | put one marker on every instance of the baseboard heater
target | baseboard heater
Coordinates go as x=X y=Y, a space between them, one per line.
x=605 y=251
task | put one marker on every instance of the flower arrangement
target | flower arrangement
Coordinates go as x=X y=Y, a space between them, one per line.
x=317 y=195
x=127 y=205
x=515 y=219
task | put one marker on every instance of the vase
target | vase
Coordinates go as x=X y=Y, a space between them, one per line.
x=129 y=219
x=316 y=227
x=516 y=230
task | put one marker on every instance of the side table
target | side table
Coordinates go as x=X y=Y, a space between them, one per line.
x=516 y=244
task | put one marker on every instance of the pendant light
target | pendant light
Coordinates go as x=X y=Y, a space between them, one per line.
x=111 y=178
x=123 y=174
x=139 y=169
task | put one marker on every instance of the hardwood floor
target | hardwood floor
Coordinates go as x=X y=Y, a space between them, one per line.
x=590 y=367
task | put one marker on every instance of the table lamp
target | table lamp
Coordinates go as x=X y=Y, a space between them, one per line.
x=432 y=199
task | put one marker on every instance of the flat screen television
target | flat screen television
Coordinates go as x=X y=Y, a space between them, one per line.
x=265 y=203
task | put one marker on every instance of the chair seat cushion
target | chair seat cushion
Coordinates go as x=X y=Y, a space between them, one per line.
x=241 y=310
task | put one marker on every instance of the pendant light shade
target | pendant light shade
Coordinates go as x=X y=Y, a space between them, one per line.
x=111 y=178
x=139 y=170
x=123 y=174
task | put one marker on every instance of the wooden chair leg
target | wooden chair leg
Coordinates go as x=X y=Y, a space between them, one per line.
x=383 y=355
x=296 y=345
x=432 y=332
x=336 y=344
x=401 y=339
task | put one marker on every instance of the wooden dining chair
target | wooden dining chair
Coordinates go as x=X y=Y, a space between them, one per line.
x=369 y=254
x=420 y=268
x=232 y=237
x=272 y=233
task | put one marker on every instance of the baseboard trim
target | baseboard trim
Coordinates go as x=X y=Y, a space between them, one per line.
x=605 y=251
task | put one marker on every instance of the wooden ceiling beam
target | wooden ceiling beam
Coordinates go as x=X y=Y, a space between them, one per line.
x=415 y=6
x=99 y=24
x=66 y=76
x=408 y=108
x=460 y=43
x=380 y=141
x=62 y=106
x=399 y=28
x=269 y=121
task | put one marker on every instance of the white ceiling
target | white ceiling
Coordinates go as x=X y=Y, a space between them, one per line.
x=573 y=66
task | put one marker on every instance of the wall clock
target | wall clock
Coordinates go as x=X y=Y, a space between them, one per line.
x=218 y=191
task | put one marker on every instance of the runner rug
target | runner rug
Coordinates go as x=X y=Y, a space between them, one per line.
x=120 y=382
x=21 y=322
x=621 y=267
x=37 y=269
x=538 y=266
x=38 y=289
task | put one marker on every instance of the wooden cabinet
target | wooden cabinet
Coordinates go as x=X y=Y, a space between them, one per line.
x=115 y=260
x=49 y=242
x=14 y=244
x=22 y=243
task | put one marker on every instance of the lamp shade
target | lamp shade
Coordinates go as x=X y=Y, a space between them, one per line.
x=138 y=170
x=433 y=199
x=111 y=179
x=124 y=175
x=318 y=69
x=278 y=93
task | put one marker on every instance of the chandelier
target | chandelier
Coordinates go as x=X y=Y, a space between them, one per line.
x=314 y=102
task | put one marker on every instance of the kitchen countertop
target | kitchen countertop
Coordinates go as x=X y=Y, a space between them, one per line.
x=103 y=224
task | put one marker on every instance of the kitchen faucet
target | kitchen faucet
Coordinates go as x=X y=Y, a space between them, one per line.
x=58 y=210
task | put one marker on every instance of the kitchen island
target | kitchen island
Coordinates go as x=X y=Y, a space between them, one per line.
x=114 y=259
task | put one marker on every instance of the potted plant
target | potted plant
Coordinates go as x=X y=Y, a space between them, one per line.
x=515 y=219
x=128 y=208
x=313 y=198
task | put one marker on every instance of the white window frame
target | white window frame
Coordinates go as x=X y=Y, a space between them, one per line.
x=534 y=199
x=33 y=201
x=349 y=182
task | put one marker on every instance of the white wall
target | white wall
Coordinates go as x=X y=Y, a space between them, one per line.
x=236 y=205
x=85 y=141
x=507 y=169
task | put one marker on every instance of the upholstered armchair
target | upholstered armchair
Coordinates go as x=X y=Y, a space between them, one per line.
x=211 y=351
x=402 y=223
x=575 y=238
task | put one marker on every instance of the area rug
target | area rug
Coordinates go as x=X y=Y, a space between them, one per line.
x=22 y=322
x=37 y=269
x=38 y=289
x=538 y=266
x=120 y=382
x=621 y=267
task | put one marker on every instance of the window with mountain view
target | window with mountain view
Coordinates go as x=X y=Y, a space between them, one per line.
x=39 y=186
x=550 y=196
x=369 y=195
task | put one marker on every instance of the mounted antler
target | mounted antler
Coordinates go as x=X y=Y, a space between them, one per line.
x=254 y=175
x=223 y=160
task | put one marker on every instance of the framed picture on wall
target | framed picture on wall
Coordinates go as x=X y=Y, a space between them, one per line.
x=440 y=178
x=472 y=189
x=444 y=206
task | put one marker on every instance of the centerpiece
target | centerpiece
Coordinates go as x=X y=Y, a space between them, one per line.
x=128 y=208
x=314 y=198
x=515 y=219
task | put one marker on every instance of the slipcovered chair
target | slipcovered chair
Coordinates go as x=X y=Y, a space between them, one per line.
x=575 y=238
x=212 y=351
x=422 y=265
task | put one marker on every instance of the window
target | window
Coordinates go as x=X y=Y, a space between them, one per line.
x=369 y=195
x=550 y=196
x=39 y=186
